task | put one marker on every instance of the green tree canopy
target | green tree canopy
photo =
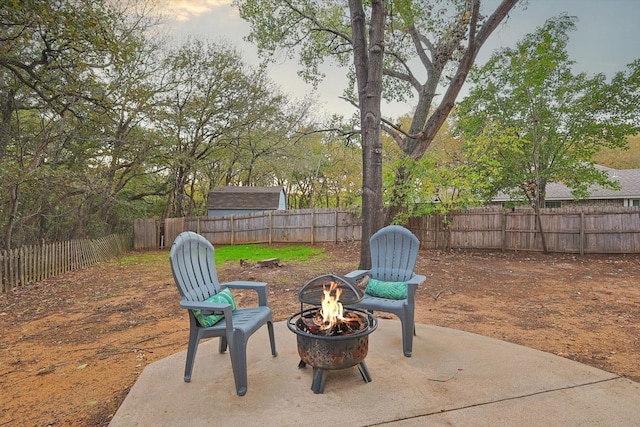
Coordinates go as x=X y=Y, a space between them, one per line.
x=530 y=120
x=104 y=121
x=55 y=58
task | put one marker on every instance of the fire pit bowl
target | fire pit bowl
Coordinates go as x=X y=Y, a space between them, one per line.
x=329 y=336
x=332 y=351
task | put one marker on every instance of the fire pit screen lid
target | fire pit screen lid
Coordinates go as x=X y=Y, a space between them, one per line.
x=312 y=291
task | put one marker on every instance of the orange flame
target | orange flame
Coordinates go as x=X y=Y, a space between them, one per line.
x=331 y=306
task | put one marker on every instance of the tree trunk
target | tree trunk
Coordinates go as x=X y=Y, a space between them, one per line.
x=540 y=200
x=368 y=62
x=536 y=209
x=8 y=231
x=178 y=192
x=8 y=106
x=399 y=195
x=422 y=132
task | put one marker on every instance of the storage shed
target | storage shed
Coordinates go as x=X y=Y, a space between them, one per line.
x=241 y=200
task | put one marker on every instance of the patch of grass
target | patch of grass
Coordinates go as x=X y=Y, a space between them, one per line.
x=251 y=253
x=254 y=253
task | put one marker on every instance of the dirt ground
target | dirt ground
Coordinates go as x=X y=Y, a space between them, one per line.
x=71 y=347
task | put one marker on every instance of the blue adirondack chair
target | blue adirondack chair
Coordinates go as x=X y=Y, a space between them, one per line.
x=393 y=284
x=212 y=309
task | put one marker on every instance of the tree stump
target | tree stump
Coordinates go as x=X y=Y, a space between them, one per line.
x=271 y=263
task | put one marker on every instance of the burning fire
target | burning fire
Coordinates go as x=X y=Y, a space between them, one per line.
x=332 y=312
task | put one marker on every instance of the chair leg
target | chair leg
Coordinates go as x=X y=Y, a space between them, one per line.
x=191 y=353
x=272 y=338
x=408 y=330
x=222 y=346
x=238 y=354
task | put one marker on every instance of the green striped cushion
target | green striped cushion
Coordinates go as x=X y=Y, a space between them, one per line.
x=389 y=290
x=223 y=297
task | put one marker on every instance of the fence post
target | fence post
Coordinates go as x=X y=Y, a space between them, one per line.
x=233 y=230
x=270 y=227
x=581 y=233
x=22 y=258
x=437 y=217
x=45 y=260
x=503 y=226
x=12 y=268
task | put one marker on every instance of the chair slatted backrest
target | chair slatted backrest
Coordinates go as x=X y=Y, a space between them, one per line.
x=394 y=250
x=193 y=266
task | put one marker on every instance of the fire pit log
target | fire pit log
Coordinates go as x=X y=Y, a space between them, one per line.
x=313 y=323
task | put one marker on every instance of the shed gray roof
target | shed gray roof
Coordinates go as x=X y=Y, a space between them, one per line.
x=244 y=198
x=629 y=180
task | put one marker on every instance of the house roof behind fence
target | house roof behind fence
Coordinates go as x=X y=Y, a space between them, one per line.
x=244 y=198
x=629 y=180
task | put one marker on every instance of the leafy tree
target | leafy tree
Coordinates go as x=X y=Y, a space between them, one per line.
x=441 y=179
x=206 y=99
x=224 y=122
x=319 y=170
x=303 y=171
x=399 y=31
x=130 y=100
x=529 y=120
x=263 y=133
x=342 y=179
x=100 y=123
x=53 y=60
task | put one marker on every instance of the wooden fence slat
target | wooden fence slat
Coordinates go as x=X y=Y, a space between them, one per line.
x=30 y=264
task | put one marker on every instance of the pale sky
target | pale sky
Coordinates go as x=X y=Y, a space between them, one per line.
x=604 y=42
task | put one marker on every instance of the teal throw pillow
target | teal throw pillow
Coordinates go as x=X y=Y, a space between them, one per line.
x=223 y=297
x=389 y=290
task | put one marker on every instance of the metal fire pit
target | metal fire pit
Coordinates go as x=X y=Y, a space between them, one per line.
x=331 y=352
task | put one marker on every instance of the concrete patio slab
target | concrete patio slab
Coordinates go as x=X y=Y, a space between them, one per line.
x=454 y=378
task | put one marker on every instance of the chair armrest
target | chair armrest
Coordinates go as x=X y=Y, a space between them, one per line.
x=210 y=307
x=412 y=286
x=207 y=307
x=356 y=274
x=259 y=287
x=417 y=279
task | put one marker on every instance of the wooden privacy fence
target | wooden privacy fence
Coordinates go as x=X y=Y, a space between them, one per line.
x=30 y=264
x=569 y=230
x=572 y=230
x=145 y=234
x=290 y=226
